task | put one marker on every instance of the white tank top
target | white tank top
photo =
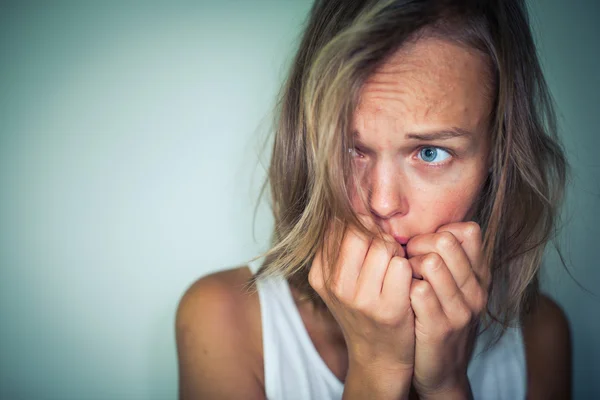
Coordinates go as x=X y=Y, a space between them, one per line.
x=295 y=370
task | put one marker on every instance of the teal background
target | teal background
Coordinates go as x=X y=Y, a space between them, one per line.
x=567 y=33
x=130 y=139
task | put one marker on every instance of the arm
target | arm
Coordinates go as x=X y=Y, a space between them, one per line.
x=376 y=383
x=214 y=361
x=548 y=351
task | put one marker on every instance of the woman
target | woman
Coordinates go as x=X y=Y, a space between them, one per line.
x=415 y=181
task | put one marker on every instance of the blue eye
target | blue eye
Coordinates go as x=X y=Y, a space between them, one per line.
x=433 y=154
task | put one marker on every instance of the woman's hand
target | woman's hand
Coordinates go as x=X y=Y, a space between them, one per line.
x=368 y=294
x=446 y=304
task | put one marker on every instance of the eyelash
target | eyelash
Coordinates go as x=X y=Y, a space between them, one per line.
x=440 y=164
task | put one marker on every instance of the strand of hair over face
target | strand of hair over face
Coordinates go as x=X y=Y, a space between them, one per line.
x=310 y=170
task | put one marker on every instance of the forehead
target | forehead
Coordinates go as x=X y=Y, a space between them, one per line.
x=428 y=84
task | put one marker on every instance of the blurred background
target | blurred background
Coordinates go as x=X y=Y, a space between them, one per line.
x=131 y=159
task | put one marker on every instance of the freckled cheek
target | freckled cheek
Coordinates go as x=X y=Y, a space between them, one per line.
x=444 y=205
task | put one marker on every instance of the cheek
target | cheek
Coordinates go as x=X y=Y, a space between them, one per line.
x=443 y=204
x=450 y=209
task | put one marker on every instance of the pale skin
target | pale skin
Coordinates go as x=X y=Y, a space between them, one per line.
x=403 y=314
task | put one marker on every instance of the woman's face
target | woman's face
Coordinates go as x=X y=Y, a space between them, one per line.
x=421 y=137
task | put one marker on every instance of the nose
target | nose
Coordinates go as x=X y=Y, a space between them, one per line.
x=387 y=194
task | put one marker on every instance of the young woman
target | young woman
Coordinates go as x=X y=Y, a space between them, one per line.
x=415 y=181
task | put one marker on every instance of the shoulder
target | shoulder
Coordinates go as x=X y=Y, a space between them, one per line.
x=221 y=297
x=547 y=340
x=224 y=291
x=218 y=334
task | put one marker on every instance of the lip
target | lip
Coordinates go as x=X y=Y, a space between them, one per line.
x=401 y=239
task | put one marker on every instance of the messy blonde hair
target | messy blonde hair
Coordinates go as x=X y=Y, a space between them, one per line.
x=343 y=44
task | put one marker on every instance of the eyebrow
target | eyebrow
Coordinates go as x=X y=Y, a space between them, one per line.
x=440 y=135
x=434 y=135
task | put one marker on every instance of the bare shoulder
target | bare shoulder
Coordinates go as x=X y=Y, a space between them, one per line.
x=547 y=340
x=218 y=338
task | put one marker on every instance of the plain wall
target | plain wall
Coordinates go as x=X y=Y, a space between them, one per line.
x=568 y=35
x=129 y=166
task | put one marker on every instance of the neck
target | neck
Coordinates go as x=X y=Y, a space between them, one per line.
x=319 y=315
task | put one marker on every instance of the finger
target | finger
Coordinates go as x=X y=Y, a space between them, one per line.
x=437 y=274
x=370 y=279
x=376 y=231
x=395 y=291
x=449 y=248
x=316 y=276
x=327 y=248
x=425 y=304
x=352 y=253
x=469 y=236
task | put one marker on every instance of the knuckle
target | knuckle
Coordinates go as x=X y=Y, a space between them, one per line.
x=432 y=262
x=463 y=316
x=446 y=241
x=402 y=264
x=314 y=279
x=420 y=290
x=472 y=229
x=336 y=290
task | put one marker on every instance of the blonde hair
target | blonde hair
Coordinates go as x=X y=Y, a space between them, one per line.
x=343 y=44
